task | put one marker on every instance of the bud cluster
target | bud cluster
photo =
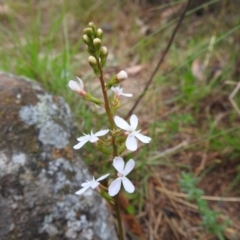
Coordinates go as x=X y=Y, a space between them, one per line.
x=98 y=53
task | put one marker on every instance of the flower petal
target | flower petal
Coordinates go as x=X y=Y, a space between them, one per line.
x=74 y=86
x=101 y=133
x=116 y=89
x=118 y=164
x=80 y=82
x=131 y=143
x=87 y=137
x=126 y=94
x=127 y=184
x=142 y=137
x=93 y=139
x=103 y=177
x=82 y=190
x=121 y=123
x=129 y=167
x=114 y=187
x=134 y=121
x=94 y=184
x=80 y=144
x=85 y=184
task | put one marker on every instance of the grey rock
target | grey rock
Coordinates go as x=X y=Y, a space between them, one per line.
x=39 y=172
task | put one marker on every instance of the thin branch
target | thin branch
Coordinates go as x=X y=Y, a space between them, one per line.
x=160 y=61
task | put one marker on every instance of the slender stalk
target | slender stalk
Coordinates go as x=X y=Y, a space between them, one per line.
x=107 y=108
x=115 y=149
x=119 y=220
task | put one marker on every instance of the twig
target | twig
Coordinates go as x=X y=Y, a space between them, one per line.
x=209 y=198
x=160 y=61
x=169 y=151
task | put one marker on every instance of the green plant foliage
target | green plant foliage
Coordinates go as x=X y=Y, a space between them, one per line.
x=209 y=217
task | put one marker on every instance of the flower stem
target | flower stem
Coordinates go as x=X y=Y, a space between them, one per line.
x=107 y=108
x=119 y=220
x=115 y=149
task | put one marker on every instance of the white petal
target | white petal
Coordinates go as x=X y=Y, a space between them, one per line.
x=134 y=121
x=114 y=187
x=82 y=190
x=86 y=137
x=85 y=184
x=103 y=177
x=74 y=86
x=118 y=164
x=129 y=167
x=94 y=184
x=93 y=139
x=127 y=184
x=80 y=82
x=101 y=133
x=116 y=89
x=126 y=94
x=121 y=123
x=80 y=144
x=131 y=143
x=142 y=138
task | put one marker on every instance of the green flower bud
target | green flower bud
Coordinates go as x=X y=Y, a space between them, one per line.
x=99 y=33
x=86 y=39
x=113 y=81
x=103 y=55
x=93 y=27
x=88 y=31
x=103 y=148
x=121 y=148
x=97 y=43
x=103 y=51
x=105 y=195
x=89 y=97
x=93 y=63
x=92 y=60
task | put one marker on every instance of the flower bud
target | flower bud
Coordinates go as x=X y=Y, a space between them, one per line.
x=93 y=27
x=88 y=31
x=93 y=63
x=121 y=76
x=99 y=33
x=121 y=148
x=103 y=51
x=86 y=39
x=97 y=43
x=89 y=97
x=92 y=60
x=103 y=55
x=103 y=149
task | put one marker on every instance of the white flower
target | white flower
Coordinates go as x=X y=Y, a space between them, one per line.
x=77 y=87
x=122 y=75
x=115 y=185
x=131 y=142
x=93 y=137
x=90 y=184
x=119 y=91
